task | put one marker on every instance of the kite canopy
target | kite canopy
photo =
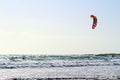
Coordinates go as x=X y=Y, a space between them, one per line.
x=94 y=21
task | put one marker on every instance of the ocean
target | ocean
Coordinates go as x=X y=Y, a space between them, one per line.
x=60 y=67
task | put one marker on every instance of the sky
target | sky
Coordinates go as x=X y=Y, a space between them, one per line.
x=59 y=26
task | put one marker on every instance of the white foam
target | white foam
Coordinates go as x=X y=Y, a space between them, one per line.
x=111 y=72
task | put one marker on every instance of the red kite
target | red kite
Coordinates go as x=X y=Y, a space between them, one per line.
x=94 y=21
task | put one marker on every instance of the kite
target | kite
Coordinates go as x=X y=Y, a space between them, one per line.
x=94 y=21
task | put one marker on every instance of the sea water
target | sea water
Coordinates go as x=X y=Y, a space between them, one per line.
x=59 y=67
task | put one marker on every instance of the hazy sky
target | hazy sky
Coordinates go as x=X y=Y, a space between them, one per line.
x=59 y=26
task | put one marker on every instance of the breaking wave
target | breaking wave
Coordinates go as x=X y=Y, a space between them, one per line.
x=41 y=61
